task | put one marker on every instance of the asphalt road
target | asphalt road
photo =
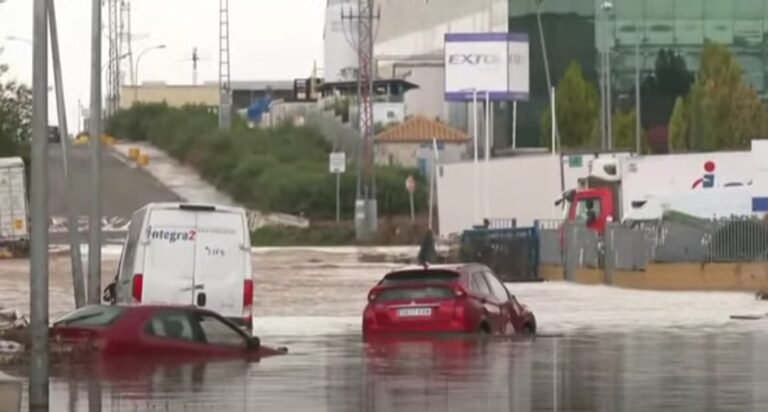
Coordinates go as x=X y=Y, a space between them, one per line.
x=124 y=189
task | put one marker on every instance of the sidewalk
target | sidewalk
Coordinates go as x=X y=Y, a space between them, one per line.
x=189 y=186
x=181 y=179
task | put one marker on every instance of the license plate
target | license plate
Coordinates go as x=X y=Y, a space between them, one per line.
x=406 y=312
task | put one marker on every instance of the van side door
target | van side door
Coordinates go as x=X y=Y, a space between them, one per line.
x=220 y=262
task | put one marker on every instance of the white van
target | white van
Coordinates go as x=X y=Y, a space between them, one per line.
x=188 y=254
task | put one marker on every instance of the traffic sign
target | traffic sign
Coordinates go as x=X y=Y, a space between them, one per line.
x=338 y=162
x=410 y=184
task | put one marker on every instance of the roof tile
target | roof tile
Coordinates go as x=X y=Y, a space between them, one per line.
x=418 y=129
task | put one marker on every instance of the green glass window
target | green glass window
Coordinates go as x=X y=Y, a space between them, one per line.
x=689 y=10
x=659 y=9
x=748 y=10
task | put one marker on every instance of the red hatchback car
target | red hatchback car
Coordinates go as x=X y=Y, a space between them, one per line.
x=463 y=298
x=156 y=330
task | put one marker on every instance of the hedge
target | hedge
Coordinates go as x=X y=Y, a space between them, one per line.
x=282 y=169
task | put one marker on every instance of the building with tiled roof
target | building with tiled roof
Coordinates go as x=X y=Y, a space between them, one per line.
x=410 y=144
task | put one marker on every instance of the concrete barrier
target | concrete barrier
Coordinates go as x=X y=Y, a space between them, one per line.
x=134 y=153
x=675 y=276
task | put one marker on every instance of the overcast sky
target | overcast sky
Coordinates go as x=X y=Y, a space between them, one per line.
x=270 y=40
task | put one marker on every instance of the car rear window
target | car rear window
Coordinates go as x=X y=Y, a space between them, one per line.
x=91 y=316
x=428 y=292
x=419 y=276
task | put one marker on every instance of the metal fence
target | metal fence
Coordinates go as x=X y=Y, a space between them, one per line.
x=709 y=241
x=511 y=253
x=667 y=241
x=551 y=238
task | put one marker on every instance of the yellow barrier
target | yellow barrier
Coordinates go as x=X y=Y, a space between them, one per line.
x=134 y=153
x=108 y=140
x=143 y=159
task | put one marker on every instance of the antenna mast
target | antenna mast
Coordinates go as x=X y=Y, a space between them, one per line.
x=362 y=41
x=225 y=87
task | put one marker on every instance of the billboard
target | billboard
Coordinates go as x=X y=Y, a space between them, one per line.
x=494 y=63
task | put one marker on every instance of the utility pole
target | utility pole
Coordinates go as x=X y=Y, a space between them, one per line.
x=547 y=72
x=638 y=119
x=128 y=38
x=38 y=266
x=94 y=244
x=78 y=281
x=366 y=207
x=225 y=85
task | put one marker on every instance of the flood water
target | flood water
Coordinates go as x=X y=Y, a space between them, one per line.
x=600 y=349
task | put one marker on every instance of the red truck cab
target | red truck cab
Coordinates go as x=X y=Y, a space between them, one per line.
x=597 y=200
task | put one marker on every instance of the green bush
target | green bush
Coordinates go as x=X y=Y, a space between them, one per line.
x=283 y=169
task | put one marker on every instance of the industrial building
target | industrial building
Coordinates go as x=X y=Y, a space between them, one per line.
x=409 y=44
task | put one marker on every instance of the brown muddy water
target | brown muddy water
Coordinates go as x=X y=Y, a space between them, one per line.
x=600 y=349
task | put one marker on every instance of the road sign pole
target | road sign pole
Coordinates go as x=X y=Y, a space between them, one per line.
x=38 y=279
x=94 y=241
x=337 y=164
x=413 y=209
x=410 y=186
x=338 y=197
x=74 y=241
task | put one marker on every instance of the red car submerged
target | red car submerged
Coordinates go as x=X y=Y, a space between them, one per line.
x=461 y=298
x=154 y=330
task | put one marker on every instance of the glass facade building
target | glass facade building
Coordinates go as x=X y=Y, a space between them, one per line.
x=634 y=31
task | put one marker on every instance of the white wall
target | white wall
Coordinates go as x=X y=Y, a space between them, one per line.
x=524 y=187
x=339 y=55
x=408 y=29
x=407 y=154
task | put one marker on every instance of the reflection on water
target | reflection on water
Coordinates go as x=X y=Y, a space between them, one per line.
x=602 y=372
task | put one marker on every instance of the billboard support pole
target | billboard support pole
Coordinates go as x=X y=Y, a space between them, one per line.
x=486 y=174
x=475 y=138
x=554 y=121
x=514 y=124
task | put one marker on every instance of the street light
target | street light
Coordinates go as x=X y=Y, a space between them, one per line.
x=16 y=38
x=136 y=71
x=606 y=9
x=105 y=65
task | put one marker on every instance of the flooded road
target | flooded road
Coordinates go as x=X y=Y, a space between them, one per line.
x=601 y=349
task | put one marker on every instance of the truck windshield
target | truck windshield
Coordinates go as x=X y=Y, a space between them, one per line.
x=587 y=210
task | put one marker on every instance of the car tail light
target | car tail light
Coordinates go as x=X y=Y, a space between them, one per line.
x=137 y=287
x=247 y=298
x=459 y=291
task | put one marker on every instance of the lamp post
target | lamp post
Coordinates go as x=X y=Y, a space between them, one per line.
x=547 y=72
x=136 y=70
x=606 y=113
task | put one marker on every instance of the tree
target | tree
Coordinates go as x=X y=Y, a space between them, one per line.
x=677 y=128
x=624 y=130
x=577 y=111
x=15 y=116
x=723 y=110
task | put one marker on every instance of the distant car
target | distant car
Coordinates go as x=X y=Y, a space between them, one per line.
x=150 y=330
x=462 y=298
